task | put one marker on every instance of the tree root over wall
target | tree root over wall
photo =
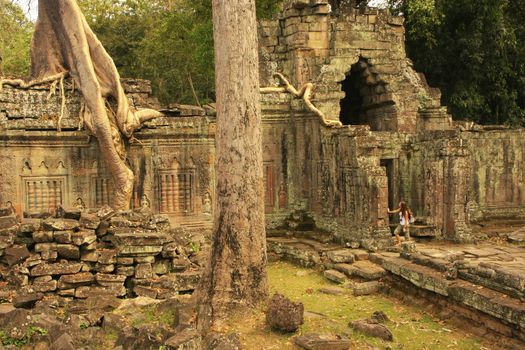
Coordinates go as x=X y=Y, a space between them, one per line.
x=63 y=43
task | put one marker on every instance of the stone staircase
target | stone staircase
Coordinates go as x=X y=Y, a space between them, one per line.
x=483 y=284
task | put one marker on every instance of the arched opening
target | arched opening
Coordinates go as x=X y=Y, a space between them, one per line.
x=352 y=103
x=367 y=100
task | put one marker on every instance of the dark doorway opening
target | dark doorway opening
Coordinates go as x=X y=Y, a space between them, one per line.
x=352 y=103
x=388 y=164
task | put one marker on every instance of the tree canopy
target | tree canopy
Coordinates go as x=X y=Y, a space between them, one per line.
x=474 y=51
x=15 y=39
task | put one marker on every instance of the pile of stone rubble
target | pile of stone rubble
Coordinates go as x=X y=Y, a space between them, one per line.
x=86 y=253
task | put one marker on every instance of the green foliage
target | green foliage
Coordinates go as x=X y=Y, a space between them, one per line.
x=169 y=42
x=31 y=330
x=473 y=51
x=15 y=39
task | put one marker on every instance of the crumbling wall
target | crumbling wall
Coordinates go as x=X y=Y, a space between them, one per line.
x=308 y=43
x=172 y=157
x=86 y=253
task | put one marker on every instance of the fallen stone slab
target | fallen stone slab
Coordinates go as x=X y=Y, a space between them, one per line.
x=368 y=270
x=372 y=329
x=333 y=290
x=517 y=236
x=60 y=224
x=15 y=255
x=366 y=288
x=314 y=341
x=335 y=276
x=26 y=300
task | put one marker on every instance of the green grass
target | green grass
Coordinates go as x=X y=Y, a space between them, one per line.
x=413 y=328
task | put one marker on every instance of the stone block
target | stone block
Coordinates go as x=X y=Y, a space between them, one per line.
x=335 y=276
x=366 y=288
x=8 y=221
x=341 y=256
x=75 y=280
x=124 y=260
x=368 y=270
x=30 y=225
x=42 y=236
x=45 y=247
x=62 y=268
x=42 y=279
x=162 y=267
x=49 y=286
x=89 y=255
x=83 y=237
x=27 y=300
x=104 y=268
x=138 y=238
x=68 y=251
x=14 y=255
x=89 y=221
x=109 y=280
x=144 y=259
x=143 y=291
x=140 y=250
x=62 y=237
x=143 y=271
x=126 y=270
x=107 y=256
x=314 y=341
x=91 y=291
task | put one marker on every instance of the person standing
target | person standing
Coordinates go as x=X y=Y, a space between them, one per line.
x=404 y=220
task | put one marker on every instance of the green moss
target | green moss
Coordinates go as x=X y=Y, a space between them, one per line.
x=412 y=328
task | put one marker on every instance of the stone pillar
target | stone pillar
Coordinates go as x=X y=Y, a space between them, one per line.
x=457 y=171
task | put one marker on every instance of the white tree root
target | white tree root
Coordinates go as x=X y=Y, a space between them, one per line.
x=305 y=92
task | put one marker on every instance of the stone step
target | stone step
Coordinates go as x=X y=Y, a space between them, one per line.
x=335 y=276
x=478 y=297
x=368 y=270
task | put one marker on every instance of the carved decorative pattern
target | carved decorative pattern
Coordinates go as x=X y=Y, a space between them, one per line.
x=43 y=193
x=176 y=191
x=103 y=187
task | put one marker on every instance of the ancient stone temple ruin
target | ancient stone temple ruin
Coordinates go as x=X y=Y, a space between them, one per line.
x=397 y=142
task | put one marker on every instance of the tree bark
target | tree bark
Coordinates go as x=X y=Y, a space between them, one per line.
x=236 y=272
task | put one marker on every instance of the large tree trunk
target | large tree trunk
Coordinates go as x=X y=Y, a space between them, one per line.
x=236 y=274
x=64 y=43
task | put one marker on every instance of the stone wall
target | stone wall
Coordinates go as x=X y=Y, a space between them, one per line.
x=86 y=253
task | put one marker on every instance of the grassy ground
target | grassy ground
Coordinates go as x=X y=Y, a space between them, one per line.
x=329 y=314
